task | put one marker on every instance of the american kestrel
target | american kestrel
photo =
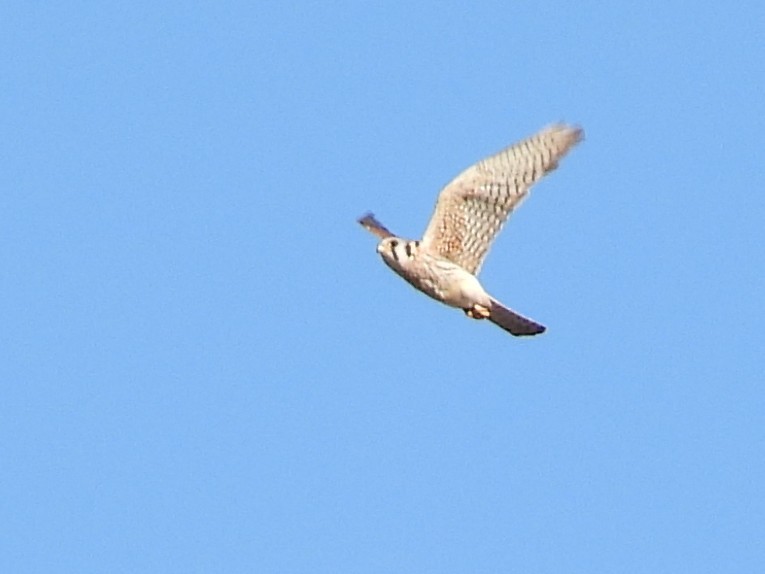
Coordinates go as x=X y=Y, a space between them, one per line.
x=469 y=214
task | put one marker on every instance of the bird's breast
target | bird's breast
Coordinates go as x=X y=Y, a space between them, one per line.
x=442 y=280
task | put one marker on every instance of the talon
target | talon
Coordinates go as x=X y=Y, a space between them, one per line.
x=478 y=312
x=481 y=312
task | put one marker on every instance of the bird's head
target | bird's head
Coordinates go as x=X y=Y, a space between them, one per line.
x=397 y=252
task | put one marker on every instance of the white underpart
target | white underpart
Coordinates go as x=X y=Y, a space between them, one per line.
x=435 y=276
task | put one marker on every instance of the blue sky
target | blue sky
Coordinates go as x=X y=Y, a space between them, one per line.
x=206 y=368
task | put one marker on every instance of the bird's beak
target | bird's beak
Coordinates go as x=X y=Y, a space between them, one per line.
x=380 y=247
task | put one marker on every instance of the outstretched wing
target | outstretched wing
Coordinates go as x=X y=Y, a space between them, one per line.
x=471 y=210
x=370 y=223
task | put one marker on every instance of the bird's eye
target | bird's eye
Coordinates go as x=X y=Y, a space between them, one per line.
x=393 y=244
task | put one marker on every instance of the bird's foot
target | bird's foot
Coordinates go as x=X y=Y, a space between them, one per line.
x=478 y=312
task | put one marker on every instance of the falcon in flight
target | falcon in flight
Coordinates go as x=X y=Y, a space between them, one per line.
x=469 y=214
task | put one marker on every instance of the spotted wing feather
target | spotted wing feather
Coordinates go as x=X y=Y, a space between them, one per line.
x=472 y=209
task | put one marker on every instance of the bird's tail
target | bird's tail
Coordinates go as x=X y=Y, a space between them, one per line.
x=512 y=322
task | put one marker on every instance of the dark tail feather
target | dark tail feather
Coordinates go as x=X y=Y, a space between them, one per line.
x=512 y=322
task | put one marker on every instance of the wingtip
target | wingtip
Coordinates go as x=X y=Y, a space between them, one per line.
x=572 y=132
x=369 y=222
x=365 y=218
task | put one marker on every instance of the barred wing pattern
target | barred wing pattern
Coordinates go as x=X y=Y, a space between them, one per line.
x=472 y=209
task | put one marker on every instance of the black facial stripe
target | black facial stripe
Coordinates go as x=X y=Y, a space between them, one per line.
x=393 y=245
x=408 y=249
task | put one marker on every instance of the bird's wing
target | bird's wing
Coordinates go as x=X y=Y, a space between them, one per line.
x=370 y=223
x=471 y=210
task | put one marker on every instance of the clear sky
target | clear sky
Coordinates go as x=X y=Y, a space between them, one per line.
x=205 y=366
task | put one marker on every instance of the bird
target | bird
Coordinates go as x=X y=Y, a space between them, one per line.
x=470 y=211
